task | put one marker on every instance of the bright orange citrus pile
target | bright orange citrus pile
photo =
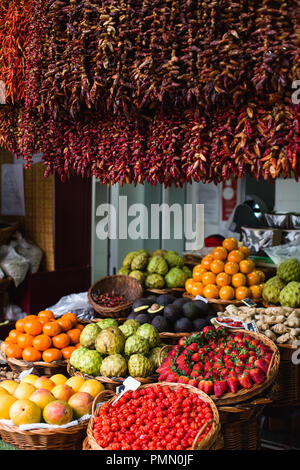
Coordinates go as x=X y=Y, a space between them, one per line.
x=43 y=338
x=227 y=273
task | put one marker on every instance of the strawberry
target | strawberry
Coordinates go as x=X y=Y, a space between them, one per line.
x=262 y=364
x=245 y=380
x=193 y=383
x=208 y=366
x=233 y=384
x=194 y=374
x=181 y=342
x=198 y=366
x=196 y=357
x=220 y=387
x=174 y=351
x=183 y=380
x=251 y=360
x=257 y=375
x=239 y=370
x=206 y=386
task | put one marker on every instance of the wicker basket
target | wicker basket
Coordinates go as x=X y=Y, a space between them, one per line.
x=207 y=443
x=41 y=368
x=126 y=286
x=178 y=291
x=286 y=388
x=244 y=394
x=109 y=383
x=173 y=338
x=45 y=439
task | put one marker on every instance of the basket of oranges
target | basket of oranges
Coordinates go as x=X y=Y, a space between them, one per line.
x=42 y=342
x=226 y=275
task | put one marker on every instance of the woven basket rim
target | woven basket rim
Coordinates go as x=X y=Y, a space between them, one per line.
x=25 y=364
x=207 y=442
x=44 y=432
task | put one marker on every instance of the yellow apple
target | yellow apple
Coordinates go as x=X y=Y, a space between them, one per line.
x=75 y=383
x=6 y=402
x=57 y=412
x=2 y=390
x=9 y=385
x=24 y=390
x=58 y=379
x=44 y=382
x=24 y=412
x=81 y=404
x=62 y=392
x=41 y=397
x=92 y=386
x=30 y=378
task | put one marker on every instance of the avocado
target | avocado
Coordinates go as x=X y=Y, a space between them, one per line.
x=155 y=308
x=203 y=307
x=208 y=318
x=180 y=302
x=131 y=316
x=141 y=309
x=143 y=318
x=142 y=302
x=199 y=324
x=152 y=299
x=165 y=299
x=190 y=310
x=160 y=323
x=183 y=325
x=172 y=313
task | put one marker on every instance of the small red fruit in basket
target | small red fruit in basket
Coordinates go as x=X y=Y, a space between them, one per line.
x=245 y=380
x=206 y=386
x=262 y=364
x=220 y=388
x=233 y=384
x=257 y=375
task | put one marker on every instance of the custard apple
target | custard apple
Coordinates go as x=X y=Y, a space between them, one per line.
x=90 y=363
x=128 y=259
x=157 y=265
x=154 y=281
x=129 y=329
x=290 y=295
x=89 y=334
x=138 y=275
x=136 y=344
x=272 y=289
x=106 y=322
x=149 y=333
x=113 y=366
x=154 y=356
x=139 y=262
x=140 y=366
x=289 y=270
x=110 y=341
x=76 y=355
x=124 y=271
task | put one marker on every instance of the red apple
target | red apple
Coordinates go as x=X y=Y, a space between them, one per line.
x=81 y=403
x=58 y=412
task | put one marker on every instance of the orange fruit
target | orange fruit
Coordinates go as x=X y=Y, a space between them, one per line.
x=33 y=326
x=223 y=279
x=52 y=354
x=52 y=328
x=230 y=244
x=220 y=253
x=262 y=275
x=66 y=352
x=208 y=278
x=65 y=323
x=77 y=346
x=13 y=335
x=217 y=266
x=211 y=291
x=20 y=325
x=238 y=280
x=42 y=342
x=231 y=268
x=198 y=271
x=206 y=261
x=235 y=256
x=74 y=335
x=188 y=285
x=226 y=293
x=256 y=291
x=253 y=278
x=79 y=326
x=61 y=341
x=31 y=354
x=242 y=292
x=31 y=317
x=46 y=314
x=247 y=266
x=25 y=340
x=72 y=317
x=13 y=350
x=245 y=250
x=197 y=288
x=4 y=345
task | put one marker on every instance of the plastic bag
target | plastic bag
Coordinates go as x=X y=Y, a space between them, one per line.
x=13 y=264
x=75 y=303
x=282 y=252
x=31 y=252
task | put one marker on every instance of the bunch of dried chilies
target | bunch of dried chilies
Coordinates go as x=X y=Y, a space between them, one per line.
x=164 y=91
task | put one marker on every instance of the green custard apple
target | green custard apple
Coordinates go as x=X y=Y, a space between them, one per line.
x=128 y=259
x=90 y=363
x=289 y=270
x=124 y=271
x=157 y=265
x=136 y=344
x=129 y=329
x=114 y=366
x=176 y=277
x=173 y=259
x=89 y=334
x=290 y=295
x=140 y=366
x=139 y=262
x=138 y=275
x=76 y=355
x=149 y=333
x=110 y=341
x=106 y=322
x=271 y=290
x=154 y=281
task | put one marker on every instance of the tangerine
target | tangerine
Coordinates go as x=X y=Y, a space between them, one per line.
x=25 y=340
x=217 y=266
x=33 y=326
x=242 y=293
x=262 y=275
x=31 y=354
x=220 y=253
x=13 y=335
x=198 y=271
x=236 y=256
x=223 y=279
x=188 y=285
x=208 y=278
x=226 y=293
x=211 y=291
x=256 y=291
x=72 y=317
x=79 y=326
x=247 y=266
x=206 y=261
x=230 y=243
x=239 y=280
x=245 y=250
x=13 y=350
x=42 y=342
x=197 y=289
x=253 y=278
x=52 y=354
x=20 y=325
x=66 y=352
x=46 y=314
x=231 y=268
x=65 y=323
x=61 y=341
x=74 y=335
x=52 y=328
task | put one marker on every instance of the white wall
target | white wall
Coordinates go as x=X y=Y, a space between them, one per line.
x=287 y=195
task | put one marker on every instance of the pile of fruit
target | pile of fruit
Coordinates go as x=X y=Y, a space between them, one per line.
x=284 y=288
x=170 y=314
x=153 y=418
x=217 y=361
x=43 y=338
x=54 y=400
x=109 y=350
x=157 y=270
x=227 y=274
x=108 y=299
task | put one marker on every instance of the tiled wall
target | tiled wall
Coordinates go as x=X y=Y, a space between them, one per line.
x=287 y=195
